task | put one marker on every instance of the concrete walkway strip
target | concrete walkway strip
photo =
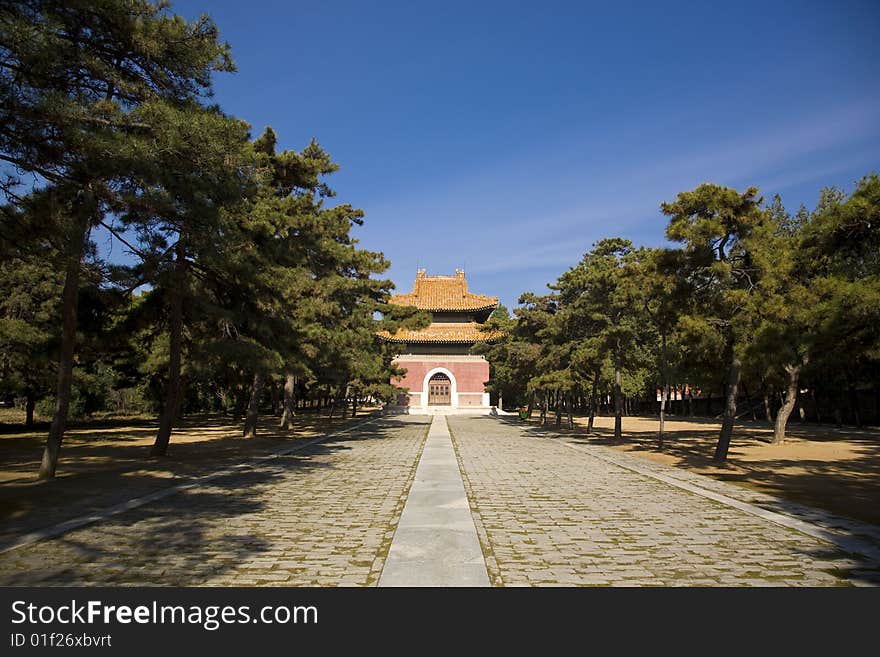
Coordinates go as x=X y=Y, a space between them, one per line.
x=82 y=521
x=436 y=541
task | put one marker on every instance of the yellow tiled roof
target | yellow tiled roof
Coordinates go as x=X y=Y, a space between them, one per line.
x=443 y=332
x=439 y=293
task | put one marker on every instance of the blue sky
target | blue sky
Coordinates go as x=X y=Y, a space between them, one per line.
x=506 y=138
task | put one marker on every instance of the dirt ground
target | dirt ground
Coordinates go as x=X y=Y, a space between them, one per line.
x=837 y=469
x=106 y=461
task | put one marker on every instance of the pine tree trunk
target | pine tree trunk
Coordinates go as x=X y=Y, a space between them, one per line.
x=570 y=415
x=344 y=394
x=275 y=398
x=749 y=403
x=29 y=405
x=618 y=405
x=664 y=394
x=593 y=401
x=333 y=402
x=69 y=298
x=253 y=410
x=531 y=405
x=788 y=405
x=174 y=390
x=558 y=400
x=816 y=405
x=543 y=408
x=354 y=404
x=854 y=405
x=242 y=395
x=767 y=414
x=289 y=402
x=729 y=409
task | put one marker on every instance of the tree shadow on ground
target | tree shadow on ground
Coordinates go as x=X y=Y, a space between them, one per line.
x=798 y=487
x=845 y=484
x=99 y=466
x=185 y=538
x=171 y=541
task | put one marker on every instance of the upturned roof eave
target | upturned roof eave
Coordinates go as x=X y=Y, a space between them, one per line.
x=448 y=309
x=432 y=340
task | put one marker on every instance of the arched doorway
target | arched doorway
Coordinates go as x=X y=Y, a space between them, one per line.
x=439 y=390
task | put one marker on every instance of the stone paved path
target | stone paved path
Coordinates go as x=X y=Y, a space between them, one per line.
x=320 y=517
x=546 y=512
x=549 y=514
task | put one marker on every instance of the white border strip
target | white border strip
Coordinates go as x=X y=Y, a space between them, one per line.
x=82 y=521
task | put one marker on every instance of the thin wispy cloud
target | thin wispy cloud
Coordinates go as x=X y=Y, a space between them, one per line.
x=742 y=159
x=511 y=141
x=624 y=198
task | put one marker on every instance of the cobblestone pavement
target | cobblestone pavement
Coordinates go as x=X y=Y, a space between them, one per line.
x=549 y=514
x=323 y=516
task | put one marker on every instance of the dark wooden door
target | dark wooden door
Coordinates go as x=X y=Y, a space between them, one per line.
x=439 y=391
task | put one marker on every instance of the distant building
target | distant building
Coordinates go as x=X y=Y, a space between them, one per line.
x=442 y=377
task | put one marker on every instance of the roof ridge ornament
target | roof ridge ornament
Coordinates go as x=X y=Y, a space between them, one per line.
x=444 y=293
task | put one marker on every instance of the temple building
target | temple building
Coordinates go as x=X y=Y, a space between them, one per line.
x=441 y=375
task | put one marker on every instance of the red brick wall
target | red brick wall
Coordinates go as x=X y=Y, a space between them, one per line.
x=470 y=376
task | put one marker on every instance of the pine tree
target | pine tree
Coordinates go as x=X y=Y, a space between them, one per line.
x=73 y=75
x=720 y=228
